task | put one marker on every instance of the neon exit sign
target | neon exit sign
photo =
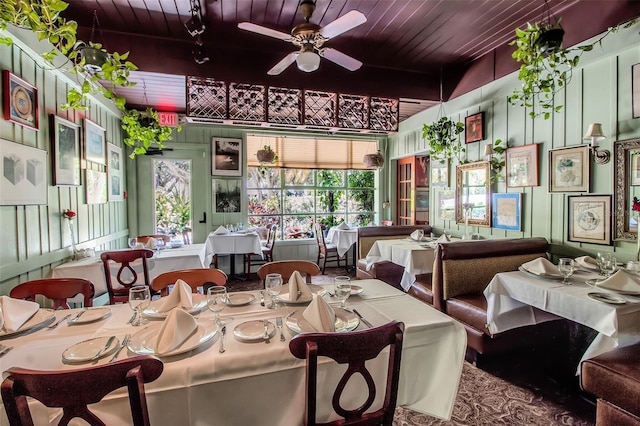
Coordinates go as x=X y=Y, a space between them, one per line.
x=168 y=118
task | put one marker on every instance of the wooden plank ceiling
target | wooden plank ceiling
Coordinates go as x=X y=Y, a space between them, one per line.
x=405 y=45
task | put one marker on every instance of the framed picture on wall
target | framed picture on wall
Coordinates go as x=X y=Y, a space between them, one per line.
x=226 y=157
x=474 y=128
x=507 y=211
x=440 y=173
x=23 y=174
x=422 y=200
x=94 y=143
x=445 y=203
x=522 y=166
x=20 y=100
x=422 y=171
x=569 y=169
x=96 y=187
x=590 y=219
x=114 y=173
x=65 y=149
x=635 y=90
x=227 y=194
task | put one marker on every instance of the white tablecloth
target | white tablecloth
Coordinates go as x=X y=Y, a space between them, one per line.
x=511 y=297
x=260 y=384
x=90 y=268
x=342 y=238
x=417 y=258
x=229 y=244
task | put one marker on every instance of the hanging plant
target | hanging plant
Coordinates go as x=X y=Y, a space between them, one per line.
x=443 y=140
x=266 y=156
x=497 y=162
x=143 y=130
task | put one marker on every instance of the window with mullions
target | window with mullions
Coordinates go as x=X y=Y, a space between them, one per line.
x=295 y=199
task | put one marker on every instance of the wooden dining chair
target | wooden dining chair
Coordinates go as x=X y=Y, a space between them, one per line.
x=144 y=239
x=56 y=289
x=387 y=223
x=267 y=252
x=73 y=390
x=327 y=252
x=286 y=268
x=353 y=348
x=124 y=258
x=199 y=277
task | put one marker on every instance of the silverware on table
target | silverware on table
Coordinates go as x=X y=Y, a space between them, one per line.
x=55 y=324
x=4 y=349
x=355 y=311
x=279 y=324
x=222 y=335
x=124 y=343
x=133 y=317
x=106 y=346
x=261 y=297
x=266 y=332
x=78 y=315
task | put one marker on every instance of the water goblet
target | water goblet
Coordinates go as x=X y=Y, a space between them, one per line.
x=342 y=289
x=609 y=266
x=633 y=266
x=133 y=242
x=273 y=284
x=139 y=300
x=216 y=302
x=566 y=267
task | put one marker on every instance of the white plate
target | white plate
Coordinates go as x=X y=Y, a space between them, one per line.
x=91 y=315
x=594 y=284
x=40 y=318
x=239 y=299
x=87 y=349
x=200 y=303
x=547 y=276
x=319 y=290
x=253 y=331
x=144 y=341
x=607 y=298
x=345 y=321
x=356 y=289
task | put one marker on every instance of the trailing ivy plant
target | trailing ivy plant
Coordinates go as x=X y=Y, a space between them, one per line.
x=497 y=162
x=143 y=130
x=443 y=140
x=544 y=73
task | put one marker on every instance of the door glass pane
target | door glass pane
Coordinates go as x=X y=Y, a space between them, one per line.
x=172 y=190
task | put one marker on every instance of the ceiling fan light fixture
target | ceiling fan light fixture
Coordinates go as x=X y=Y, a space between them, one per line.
x=308 y=61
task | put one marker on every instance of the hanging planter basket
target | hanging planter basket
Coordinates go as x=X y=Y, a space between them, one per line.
x=550 y=41
x=94 y=58
x=266 y=156
x=373 y=161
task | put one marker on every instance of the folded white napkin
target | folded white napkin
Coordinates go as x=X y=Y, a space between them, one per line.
x=16 y=312
x=298 y=288
x=221 y=230
x=541 y=266
x=319 y=315
x=180 y=295
x=176 y=329
x=620 y=281
x=444 y=238
x=587 y=262
x=417 y=235
x=343 y=226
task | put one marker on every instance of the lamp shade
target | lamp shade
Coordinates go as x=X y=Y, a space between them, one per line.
x=488 y=150
x=373 y=161
x=308 y=61
x=594 y=132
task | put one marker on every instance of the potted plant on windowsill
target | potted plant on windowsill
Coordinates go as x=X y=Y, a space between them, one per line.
x=144 y=130
x=443 y=140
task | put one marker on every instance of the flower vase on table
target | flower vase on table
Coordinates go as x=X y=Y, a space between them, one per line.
x=70 y=215
x=467 y=214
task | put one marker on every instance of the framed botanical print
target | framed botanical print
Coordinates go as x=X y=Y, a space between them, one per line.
x=590 y=219
x=569 y=169
x=96 y=187
x=522 y=166
x=474 y=128
x=507 y=211
x=20 y=100
x=94 y=144
x=440 y=173
x=226 y=157
x=114 y=173
x=23 y=174
x=65 y=149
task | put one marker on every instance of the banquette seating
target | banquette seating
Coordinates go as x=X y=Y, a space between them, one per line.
x=385 y=271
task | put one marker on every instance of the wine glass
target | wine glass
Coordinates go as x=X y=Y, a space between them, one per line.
x=633 y=267
x=609 y=266
x=139 y=300
x=566 y=267
x=342 y=289
x=133 y=242
x=273 y=284
x=216 y=302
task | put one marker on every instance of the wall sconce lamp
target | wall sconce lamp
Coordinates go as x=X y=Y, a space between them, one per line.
x=594 y=134
x=488 y=151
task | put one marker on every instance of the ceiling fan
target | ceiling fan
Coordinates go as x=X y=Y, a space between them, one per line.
x=310 y=38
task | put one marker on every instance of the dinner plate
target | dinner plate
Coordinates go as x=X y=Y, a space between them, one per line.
x=607 y=298
x=200 y=303
x=547 y=276
x=356 y=289
x=239 y=299
x=144 y=341
x=85 y=351
x=345 y=321
x=319 y=290
x=594 y=284
x=91 y=315
x=40 y=318
x=253 y=331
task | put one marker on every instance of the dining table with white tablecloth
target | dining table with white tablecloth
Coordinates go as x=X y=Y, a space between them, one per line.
x=170 y=259
x=230 y=243
x=257 y=383
x=343 y=239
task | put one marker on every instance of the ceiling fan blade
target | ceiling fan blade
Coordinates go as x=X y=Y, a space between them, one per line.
x=343 y=24
x=283 y=64
x=248 y=26
x=341 y=59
